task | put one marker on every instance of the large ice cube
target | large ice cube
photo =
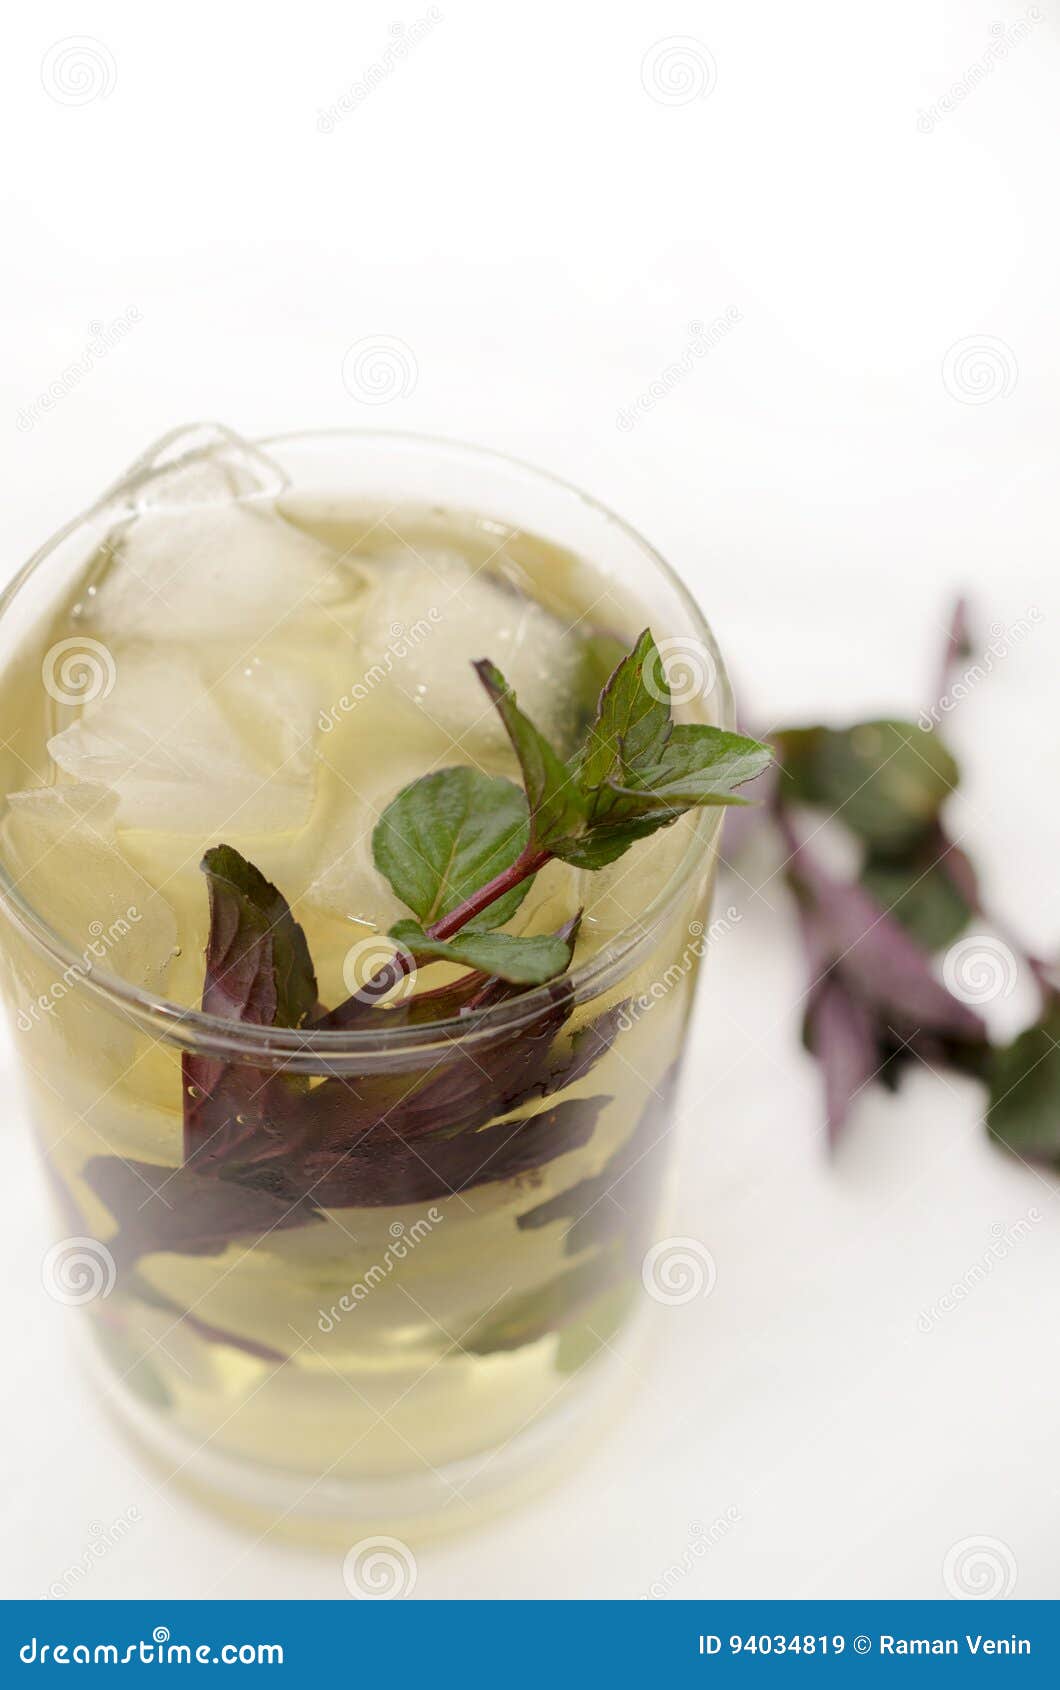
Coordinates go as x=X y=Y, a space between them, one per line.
x=342 y=880
x=198 y=550
x=428 y=615
x=188 y=752
x=214 y=573
x=198 y=464
x=58 y=844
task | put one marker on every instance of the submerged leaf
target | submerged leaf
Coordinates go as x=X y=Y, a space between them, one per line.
x=177 y=1209
x=620 y=1202
x=394 y=1169
x=525 y=1317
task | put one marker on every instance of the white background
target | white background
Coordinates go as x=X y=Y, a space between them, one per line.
x=523 y=208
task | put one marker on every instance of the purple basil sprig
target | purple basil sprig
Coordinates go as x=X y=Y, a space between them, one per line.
x=875 y=942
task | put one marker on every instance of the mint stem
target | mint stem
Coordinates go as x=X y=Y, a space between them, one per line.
x=401 y=963
x=525 y=865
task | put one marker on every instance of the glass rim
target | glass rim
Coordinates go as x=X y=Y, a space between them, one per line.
x=201 y=1031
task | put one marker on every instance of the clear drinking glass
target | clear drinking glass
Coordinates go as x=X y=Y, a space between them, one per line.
x=430 y=1321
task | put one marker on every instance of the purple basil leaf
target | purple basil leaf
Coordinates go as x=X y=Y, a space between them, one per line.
x=258 y=967
x=587 y=1046
x=883 y=962
x=930 y=889
x=620 y=1201
x=456 y=1092
x=176 y=1209
x=958 y=865
x=144 y=1292
x=441 y=1003
x=387 y=1169
x=258 y=971
x=840 y=1031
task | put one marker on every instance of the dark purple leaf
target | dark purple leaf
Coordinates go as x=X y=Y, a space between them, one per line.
x=391 y=1169
x=258 y=967
x=144 y=1292
x=621 y=1200
x=176 y=1209
x=258 y=971
x=878 y=958
x=930 y=889
x=841 y=1033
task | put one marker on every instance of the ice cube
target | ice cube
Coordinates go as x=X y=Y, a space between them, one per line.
x=347 y=885
x=343 y=881
x=218 y=572
x=59 y=846
x=198 y=550
x=198 y=464
x=194 y=752
x=428 y=615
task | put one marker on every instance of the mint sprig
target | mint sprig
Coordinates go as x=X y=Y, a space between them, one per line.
x=636 y=772
x=462 y=848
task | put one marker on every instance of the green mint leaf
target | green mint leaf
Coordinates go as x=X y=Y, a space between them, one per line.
x=886 y=780
x=526 y=960
x=447 y=835
x=633 y=719
x=605 y=841
x=636 y=772
x=557 y=808
x=699 y=765
x=258 y=967
x=1024 y=1112
x=599 y=657
x=460 y=848
x=920 y=893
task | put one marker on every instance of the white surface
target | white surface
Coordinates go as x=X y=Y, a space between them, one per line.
x=513 y=206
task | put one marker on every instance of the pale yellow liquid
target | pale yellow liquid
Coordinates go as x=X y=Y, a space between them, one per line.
x=471 y=1327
